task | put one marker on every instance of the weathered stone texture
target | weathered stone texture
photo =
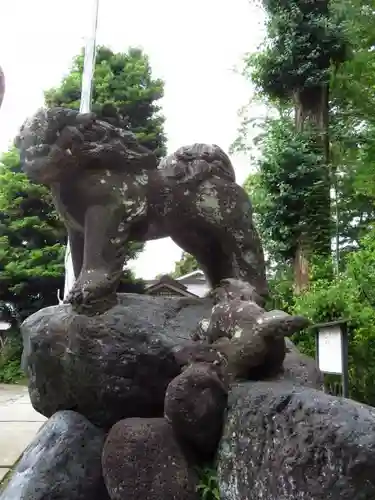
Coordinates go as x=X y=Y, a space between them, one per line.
x=63 y=462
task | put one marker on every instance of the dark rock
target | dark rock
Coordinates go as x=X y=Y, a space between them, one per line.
x=111 y=366
x=142 y=461
x=282 y=441
x=300 y=369
x=198 y=352
x=62 y=463
x=195 y=403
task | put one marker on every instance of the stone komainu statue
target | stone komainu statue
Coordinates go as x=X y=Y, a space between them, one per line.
x=109 y=190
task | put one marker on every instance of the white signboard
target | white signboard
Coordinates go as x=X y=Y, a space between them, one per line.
x=330 y=350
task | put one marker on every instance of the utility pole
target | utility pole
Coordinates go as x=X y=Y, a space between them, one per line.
x=85 y=107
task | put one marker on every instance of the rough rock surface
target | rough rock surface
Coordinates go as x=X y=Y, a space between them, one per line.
x=111 y=366
x=284 y=442
x=142 y=461
x=62 y=463
x=195 y=403
x=300 y=369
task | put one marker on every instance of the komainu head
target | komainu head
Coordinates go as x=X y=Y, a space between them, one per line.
x=45 y=152
x=58 y=142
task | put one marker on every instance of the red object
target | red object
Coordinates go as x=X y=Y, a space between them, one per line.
x=2 y=85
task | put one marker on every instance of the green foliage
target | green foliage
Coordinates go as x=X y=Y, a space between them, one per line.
x=304 y=39
x=186 y=265
x=10 y=365
x=280 y=283
x=208 y=487
x=122 y=81
x=130 y=284
x=349 y=296
x=278 y=189
x=31 y=242
x=287 y=191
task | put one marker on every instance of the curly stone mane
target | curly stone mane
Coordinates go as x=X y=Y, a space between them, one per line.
x=198 y=160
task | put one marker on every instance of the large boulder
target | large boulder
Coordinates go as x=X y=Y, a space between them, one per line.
x=111 y=366
x=284 y=441
x=143 y=461
x=62 y=463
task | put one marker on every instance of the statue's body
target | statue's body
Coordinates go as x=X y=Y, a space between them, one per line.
x=109 y=190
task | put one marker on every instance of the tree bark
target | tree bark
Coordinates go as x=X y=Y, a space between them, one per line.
x=311 y=107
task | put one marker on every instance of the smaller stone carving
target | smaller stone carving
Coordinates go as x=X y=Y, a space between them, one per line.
x=250 y=338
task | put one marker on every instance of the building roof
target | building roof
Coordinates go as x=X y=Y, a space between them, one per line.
x=193 y=275
x=170 y=283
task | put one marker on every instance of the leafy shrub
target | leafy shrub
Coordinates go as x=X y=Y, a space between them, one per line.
x=348 y=296
x=208 y=487
x=10 y=361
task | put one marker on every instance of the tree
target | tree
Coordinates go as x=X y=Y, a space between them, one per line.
x=305 y=42
x=123 y=84
x=31 y=242
x=290 y=171
x=348 y=296
x=31 y=236
x=186 y=265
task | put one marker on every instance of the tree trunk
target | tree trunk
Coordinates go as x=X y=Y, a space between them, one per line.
x=311 y=107
x=301 y=269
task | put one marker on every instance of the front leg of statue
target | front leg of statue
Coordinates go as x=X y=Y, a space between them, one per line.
x=103 y=259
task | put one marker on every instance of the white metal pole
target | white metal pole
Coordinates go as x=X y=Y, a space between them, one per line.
x=85 y=107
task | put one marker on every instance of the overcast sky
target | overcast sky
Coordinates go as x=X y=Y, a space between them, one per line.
x=193 y=45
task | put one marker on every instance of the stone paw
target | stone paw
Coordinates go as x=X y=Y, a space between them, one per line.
x=92 y=290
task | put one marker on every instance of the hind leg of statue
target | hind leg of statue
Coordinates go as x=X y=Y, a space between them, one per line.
x=247 y=254
x=103 y=259
x=225 y=212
